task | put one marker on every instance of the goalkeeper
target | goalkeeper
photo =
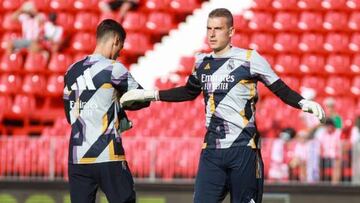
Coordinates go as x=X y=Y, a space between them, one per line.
x=231 y=159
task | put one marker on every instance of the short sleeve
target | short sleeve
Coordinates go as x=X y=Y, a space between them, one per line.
x=260 y=67
x=23 y=17
x=122 y=80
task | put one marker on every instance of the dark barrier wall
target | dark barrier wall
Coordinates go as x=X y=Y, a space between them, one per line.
x=56 y=192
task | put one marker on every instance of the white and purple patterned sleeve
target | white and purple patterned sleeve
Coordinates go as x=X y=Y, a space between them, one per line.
x=122 y=80
x=260 y=67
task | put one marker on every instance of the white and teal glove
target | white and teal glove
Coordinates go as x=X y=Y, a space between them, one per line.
x=314 y=108
x=138 y=95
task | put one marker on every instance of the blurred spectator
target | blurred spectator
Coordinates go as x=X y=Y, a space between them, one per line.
x=31 y=21
x=281 y=154
x=306 y=157
x=331 y=112
x=355 y=142
x=355 y=131
x=122 y=6
x=330 y=140
x=53 y=36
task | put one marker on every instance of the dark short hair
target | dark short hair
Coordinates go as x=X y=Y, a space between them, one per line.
x=329 y=122
x=223 y=12
x=109 y=26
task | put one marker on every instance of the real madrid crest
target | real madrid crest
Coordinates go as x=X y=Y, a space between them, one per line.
x=231 y=64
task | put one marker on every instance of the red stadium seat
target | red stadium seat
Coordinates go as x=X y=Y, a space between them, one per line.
x=310 y=21
x=36 y=62
x=84 y=42
x=287 y=64
x=240 y=23
x=354 y=45
x=334 y=4
x=6 y=103
x=354 y=21
x=312 y=64
x=184 y=6
x=9 y=5
x=134 y=21
x=261 y=21
x=186 y=65
x=241 y=40
x=311 y=42
x=34 y=84
x=1 y=18
x=337 y=86
x=355 y=64
x=42 y=5
x=310 y=4
x=336 y=42
x=108 y=15
x=10 y=24
x=263 y=90
x=10 y=83
x=55 y=85
x=23 y=105
x=269 y=58
x=286 y=42
x=7 y=38
x=80 y=56
x=292 y=82
x=286 y=21
x=316 y=83
x=62 y=5
x=66 y=20
x=11 y=63
x=261 y=4
x=160 y=23
x=86 y=5
x=157 y=5
x=285 y=4
x=262 y=42
x=355 y=86
x=337 y=64
x=353 y=4
x=60 y=62
x=86 y=21
x=137 y=43
x=335 y=21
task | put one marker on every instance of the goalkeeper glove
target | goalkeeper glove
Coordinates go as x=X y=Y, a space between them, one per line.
x=314 y=108
x=138 y=95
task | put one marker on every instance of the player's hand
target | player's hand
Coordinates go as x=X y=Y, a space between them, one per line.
x=314 y=108
x=138 y=95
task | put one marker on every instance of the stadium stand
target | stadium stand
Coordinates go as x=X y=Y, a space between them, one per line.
x=310 y=43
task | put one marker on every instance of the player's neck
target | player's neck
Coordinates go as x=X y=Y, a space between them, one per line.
x=222 y=51
x=102 y=51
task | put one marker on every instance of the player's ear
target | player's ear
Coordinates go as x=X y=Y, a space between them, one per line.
x=116 y=40
x=231 y=31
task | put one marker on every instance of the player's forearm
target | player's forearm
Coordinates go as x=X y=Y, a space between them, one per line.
x=286 y=94
x=178 y=94
x=137 y=105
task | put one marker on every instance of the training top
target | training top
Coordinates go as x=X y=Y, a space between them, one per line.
x=229 y=86
x=92 y=90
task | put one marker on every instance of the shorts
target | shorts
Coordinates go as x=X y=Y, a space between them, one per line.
x=113 y=178
x=238 y=170
x=21 y=43
x=327 y=168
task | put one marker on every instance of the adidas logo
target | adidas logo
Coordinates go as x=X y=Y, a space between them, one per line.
x=84 y=82
x=207 y=67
